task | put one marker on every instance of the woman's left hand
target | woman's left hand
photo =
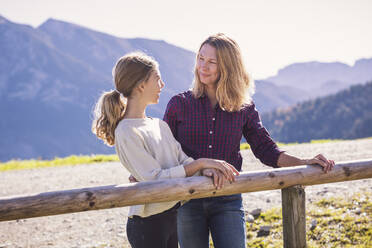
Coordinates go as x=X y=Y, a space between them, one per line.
x=321 y=160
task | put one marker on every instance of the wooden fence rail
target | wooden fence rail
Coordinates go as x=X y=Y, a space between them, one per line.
x=94 y=198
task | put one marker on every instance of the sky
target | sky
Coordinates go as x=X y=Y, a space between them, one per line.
x=271 y=33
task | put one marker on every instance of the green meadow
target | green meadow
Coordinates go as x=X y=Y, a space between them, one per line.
x=89 y=159
x=339 y=223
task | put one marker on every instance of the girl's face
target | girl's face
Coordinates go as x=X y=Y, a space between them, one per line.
x=207 y=66
x=152 y=88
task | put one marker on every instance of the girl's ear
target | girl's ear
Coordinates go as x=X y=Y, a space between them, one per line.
x=140 y=87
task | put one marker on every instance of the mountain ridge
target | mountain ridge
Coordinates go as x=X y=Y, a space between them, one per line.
x=49 y=82
x=343 y=115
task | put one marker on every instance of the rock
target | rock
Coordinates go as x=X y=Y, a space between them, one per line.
x=121 y=234
x=358 y=211
x=256 y=213
x=249 y=218
x=264 y=231
x=313 y=224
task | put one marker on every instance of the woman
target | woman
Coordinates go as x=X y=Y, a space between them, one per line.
x=209 y=121
x=146 y=147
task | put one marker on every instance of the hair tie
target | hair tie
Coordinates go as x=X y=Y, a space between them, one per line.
x=121 y=94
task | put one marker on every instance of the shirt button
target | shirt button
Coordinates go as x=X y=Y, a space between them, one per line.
x=213 y=119
x=210 y=146
x=210 y=132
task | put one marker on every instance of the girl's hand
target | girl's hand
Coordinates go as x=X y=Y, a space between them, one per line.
x=322 y=161
x=225 y=168
x=218 y=178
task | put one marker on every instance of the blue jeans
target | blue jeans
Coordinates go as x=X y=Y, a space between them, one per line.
x=222 y=216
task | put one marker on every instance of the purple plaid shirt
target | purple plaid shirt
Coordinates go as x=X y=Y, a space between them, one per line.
x=206 y=132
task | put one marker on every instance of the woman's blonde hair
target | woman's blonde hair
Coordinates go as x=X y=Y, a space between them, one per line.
x=234 y=86
x=129 y=71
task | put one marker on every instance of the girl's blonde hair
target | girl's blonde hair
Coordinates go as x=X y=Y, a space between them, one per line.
x=129 y=71
x=234 y=86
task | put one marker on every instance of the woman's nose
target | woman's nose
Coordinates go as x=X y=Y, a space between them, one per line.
x=203 y=65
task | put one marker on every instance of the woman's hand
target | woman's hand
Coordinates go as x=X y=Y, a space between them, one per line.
x=225 y=168
x=321 y=160
x=218 y=178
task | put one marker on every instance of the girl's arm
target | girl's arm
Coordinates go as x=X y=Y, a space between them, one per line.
x=144 y=167
x=225 y=168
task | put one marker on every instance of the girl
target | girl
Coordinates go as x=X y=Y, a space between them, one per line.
x=146 y=147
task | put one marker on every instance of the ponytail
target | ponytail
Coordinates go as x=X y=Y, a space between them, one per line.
x=109 y=110
x=129 y=71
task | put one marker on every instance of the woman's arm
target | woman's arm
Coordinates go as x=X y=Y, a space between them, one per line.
x=286 y=160
x=265 y=149
x=262 y=145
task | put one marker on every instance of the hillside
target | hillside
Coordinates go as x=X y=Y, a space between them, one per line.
x=321 y=78
x=51 y=76
x=345 y=115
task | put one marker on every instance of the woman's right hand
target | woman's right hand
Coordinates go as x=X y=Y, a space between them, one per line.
x=225 y=168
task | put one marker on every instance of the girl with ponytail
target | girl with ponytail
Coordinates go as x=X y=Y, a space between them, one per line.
x=147 y=148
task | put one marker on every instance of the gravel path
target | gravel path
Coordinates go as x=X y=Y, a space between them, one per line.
x=106 y=228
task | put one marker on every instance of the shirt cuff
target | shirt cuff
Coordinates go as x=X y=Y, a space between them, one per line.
x=178 y=171
x=275 y=164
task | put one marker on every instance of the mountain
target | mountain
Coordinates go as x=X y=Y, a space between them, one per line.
x=320 y=79
x=345 y=115
x=269 y=96
x=51 y=76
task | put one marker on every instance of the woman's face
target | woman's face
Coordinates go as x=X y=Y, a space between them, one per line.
x=152 y=88
x=206 y=65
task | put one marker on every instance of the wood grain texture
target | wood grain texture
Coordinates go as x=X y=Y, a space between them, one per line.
x=94 y=198
x=294 y=217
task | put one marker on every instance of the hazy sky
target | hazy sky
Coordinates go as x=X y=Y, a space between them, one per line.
x=271 y=33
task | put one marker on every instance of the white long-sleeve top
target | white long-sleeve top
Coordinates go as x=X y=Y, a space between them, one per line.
x=148 y=150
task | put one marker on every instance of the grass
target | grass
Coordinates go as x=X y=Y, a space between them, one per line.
x=75 y=160
x=340 y=223
x=71 y=160
x=245 y=146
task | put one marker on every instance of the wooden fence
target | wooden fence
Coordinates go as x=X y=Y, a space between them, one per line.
x=288 y=179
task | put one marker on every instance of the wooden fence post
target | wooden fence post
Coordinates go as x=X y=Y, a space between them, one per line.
x=294 y=217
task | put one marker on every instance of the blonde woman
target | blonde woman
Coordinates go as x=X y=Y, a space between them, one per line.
x=146 y=147
x=209 y=121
